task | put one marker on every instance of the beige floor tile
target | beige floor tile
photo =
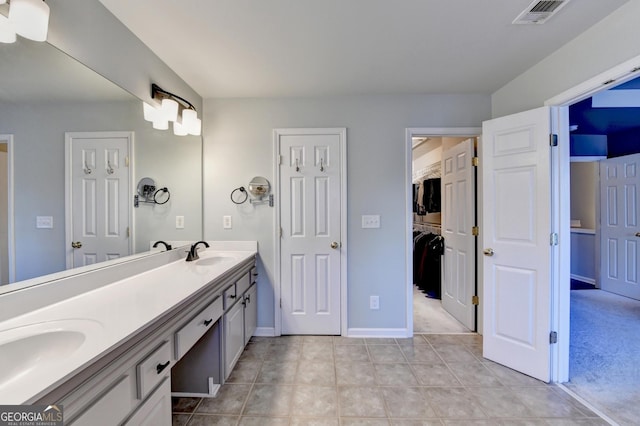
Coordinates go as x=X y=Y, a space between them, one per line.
x=421 y=353
x=434 y=375
x=310 y=421
x=407 y=402
x=230 y=400
x=347 y=421
x=500 y=402
x=358 y=401
x=351 y=353
x=180 y=419
x=415 y=422
x=277 y=372
x=255 y=351
x=245 y=372
x=386 y=353
x=283 y=352
x=212 y=420
x=356 y=373
x=341 y=340
x=473 y=374
x=263 y=421
x=316 y=373
x=317 y=352
x=380 y=341
x=510 y=377
x=453 y=403
x=394 y=374
x=455 y=353
x=546 y=402
x=184 y=405
x=315 y=401
x=269 y=400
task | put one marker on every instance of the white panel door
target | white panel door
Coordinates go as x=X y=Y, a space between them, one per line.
x=310 y=173
x=619 y=227
x=99 y=198
x=458 y=219
x=515 y=233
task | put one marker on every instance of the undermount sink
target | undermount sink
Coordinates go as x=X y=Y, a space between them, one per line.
x=30 y=348
x=216 y=259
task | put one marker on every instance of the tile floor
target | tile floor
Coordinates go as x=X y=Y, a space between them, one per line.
x=432 y=379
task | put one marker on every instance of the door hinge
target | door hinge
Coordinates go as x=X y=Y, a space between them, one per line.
x=126 y=161
x=475 y=231
x=280 y=303
x=553 y=239
x=128 y=232
x=281 y=232
x=475 y=300
x=553 y=337
x=553 y=139
x=475 y=161
x=280 y=160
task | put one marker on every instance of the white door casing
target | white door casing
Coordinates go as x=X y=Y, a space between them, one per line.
x=619 y=227
x=515 y=158
x=312 y=245
x=10 y=238
x=458 y=219
x=98 y=201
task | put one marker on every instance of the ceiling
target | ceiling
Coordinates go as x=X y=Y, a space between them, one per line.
x=309 y=48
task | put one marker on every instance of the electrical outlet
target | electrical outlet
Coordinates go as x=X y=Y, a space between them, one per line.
x=374 y=302
x=226 y=222
x=371 y=221
x=179 y=222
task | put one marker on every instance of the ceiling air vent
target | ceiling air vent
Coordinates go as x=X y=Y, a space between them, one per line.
x=540 y=11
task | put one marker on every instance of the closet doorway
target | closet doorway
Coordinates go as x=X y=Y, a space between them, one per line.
x=442 y=272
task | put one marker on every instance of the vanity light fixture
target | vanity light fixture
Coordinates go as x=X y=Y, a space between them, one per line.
x=28 y=18
x=172 y=108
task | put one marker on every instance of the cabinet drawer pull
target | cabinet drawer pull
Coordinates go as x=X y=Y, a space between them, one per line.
x=248 y=298
x=232 y=296
x=161 y=367
x=207 y=322
x=255 y=274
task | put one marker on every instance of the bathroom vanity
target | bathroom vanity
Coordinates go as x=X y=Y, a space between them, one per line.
x=116 y=353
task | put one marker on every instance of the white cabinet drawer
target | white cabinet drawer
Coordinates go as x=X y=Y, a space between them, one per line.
x=230 y=296
x=188 y=335
x=112 y=407
x=156 y=411
x=243 y=284
x=153 y=369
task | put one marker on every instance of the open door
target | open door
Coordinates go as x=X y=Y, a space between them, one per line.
x=515 y=157
x=458 y=220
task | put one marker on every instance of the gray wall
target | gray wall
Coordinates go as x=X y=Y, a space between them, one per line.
x=238 y=145
x=607 y=44
x=39 y=143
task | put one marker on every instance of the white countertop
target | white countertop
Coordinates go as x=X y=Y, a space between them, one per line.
x=107 y=316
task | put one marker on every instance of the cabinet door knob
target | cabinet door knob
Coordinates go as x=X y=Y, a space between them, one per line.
x=76 y=244
x=637 y=234
x=207 y=322
x=488 y=252
x=335 y=245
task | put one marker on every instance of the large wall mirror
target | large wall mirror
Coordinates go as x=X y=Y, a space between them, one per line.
x=45 y=95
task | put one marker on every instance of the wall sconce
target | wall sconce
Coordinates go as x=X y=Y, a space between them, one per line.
x=27 y=18
x=172 y=108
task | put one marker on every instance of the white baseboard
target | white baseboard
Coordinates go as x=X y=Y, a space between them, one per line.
x=265 y=332
x=378 y=332
x=583 y=279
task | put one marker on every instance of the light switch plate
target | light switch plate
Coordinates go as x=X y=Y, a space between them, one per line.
x=44 y=222
x=179 y=222
x=226 y=222
x=371 y=221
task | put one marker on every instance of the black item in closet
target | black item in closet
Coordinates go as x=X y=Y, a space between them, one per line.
x=427 y=253
x=431 y=195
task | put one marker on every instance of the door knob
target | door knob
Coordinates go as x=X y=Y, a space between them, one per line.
x=76 y=244
x=335 y=245
x=637 y=234
x=488 y=252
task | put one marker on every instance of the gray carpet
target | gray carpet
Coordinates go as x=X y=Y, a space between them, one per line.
x=430 y=317
x=604 y=366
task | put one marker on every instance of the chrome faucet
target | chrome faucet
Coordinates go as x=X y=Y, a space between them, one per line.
x=193 y=252
x=166 y=246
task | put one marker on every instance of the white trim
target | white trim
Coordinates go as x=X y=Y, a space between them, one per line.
x=342 y=132
x=379 y=332
x=586 y=158
x=68 y=199
x=265 y=332
x=619 y=74
x=587 y=280
x=410 y=133
x=11 y=239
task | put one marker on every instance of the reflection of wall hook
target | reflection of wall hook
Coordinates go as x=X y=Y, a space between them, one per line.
x=87 y=170
x=297 y=167
x=109 y=167
x=321 y=166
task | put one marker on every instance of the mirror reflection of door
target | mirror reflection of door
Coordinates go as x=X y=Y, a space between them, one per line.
x=98 y=212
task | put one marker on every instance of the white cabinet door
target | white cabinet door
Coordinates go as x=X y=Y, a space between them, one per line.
x=156 y=411
x=233 y=337
x=250 y=312
x=619 y=225
x=515 y=232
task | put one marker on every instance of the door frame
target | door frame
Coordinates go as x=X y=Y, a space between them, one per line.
x=11 y=239
x=68 y=175
x=410 y=133
x=560 y=182
x=277 y=291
